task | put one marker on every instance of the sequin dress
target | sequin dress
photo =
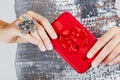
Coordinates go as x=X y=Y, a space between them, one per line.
x=32 y=64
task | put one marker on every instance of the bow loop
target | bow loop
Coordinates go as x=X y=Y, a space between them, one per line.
x=73 y=40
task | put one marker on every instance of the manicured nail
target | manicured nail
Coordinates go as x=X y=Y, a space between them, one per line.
x=94 y=64
x=89 y=55
x=35 y=42
x=54 y=36
x=50 y=47
x=110 y=64
x=103 y=64
x=43 y=48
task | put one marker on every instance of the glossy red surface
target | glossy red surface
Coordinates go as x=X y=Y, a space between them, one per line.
x=73 y=42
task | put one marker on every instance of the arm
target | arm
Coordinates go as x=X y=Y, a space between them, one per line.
x=6 y=33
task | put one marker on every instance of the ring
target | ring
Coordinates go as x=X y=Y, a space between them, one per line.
x=27 y=25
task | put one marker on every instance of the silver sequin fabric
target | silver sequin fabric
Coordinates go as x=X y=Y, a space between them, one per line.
x=98 y=16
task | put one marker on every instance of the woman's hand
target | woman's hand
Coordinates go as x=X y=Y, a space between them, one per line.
x=110 y=52
x=39 y=37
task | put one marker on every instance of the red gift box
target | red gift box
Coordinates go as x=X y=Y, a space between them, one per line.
x=73 y=42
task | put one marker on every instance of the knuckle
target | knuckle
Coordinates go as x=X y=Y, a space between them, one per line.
x=102 y=39
x=20 y=17
x=115 y=28
x=44 y=20
x=29 y=12
x=18 y=21
x=41 y=29
x=99 y=39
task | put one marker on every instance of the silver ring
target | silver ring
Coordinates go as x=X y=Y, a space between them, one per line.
x=27 y=25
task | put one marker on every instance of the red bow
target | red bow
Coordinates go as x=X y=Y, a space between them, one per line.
x=73 y=40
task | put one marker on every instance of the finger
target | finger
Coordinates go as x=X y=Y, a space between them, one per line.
x=33 y=35
x=43 y=21
x=44 y=37
x=108 y=48
x=21 y=40
x=112 y=55
x=115 y=61
x=30 y=39
x=102 y=41
x=40 y=42
x=16 y=22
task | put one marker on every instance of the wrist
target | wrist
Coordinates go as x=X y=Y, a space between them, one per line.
x=7 y=33
x=3 y=24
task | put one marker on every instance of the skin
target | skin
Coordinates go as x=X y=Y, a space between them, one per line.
x=109 y=42
x=110 y=52
x=10 y=34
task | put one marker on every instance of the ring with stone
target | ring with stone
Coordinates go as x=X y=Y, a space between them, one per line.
x=27 y=26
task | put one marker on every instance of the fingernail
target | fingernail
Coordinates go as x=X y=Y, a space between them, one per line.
x=110 y=63
x=54 y=36
x=43 y=48
x=89 y=55
x=103 y=64
x=36 y=42
x=94 y=64
x=50 y=47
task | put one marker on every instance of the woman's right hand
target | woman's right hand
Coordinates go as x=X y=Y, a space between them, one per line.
x=39 y=37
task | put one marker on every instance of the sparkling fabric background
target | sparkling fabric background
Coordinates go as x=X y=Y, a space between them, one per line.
x=32 y=64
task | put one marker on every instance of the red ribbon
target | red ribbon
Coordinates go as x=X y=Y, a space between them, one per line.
x=73 y=40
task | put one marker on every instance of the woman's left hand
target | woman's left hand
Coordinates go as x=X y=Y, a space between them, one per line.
x=110 y=52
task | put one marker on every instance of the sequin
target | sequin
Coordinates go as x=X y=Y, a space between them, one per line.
x=96 y=15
